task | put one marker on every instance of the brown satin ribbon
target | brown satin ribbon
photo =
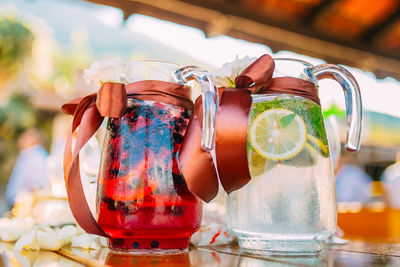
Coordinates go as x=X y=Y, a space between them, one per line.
x=232 y=123
x=89 y=112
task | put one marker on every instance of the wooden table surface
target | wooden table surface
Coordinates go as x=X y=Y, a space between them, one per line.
x=356 y=253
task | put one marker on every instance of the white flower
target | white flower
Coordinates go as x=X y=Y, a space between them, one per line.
x=88 y=241
x=12 y=229
x=225 y=76
x=28 y=241
x=107 y=70
x=67 y=232
x=48 y=239
x=40 y=238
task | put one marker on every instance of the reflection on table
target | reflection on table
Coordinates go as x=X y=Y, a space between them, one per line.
x=356 y=253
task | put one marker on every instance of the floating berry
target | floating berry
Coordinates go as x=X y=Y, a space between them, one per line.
x=178 y=179
x=114 y=172
x=186 y=113
x=155 y=244
x=177 y=210
x=178 y=138
x=110 y=203
x=134 y=117
x=135 y=245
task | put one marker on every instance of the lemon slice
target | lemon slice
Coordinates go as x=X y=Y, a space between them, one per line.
x=318 y=145
x=278 y=134
x=258 y=164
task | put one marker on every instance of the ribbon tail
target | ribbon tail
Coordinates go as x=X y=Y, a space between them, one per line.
x=92 y=120
x=231 y=139
x=71 y=107
x=196 y=164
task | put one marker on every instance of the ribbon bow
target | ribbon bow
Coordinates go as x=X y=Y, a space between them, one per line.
x=232 y=124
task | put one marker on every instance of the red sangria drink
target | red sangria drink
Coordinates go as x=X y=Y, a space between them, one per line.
x=143 y=202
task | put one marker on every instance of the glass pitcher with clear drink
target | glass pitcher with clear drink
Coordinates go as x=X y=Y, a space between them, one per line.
x=289 y=204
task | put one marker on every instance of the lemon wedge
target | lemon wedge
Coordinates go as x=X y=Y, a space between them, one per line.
x=258 y=164
x=318 y=145
x=278 y=134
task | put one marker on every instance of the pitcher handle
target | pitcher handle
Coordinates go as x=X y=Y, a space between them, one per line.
x=209 y=99
x=354 y=110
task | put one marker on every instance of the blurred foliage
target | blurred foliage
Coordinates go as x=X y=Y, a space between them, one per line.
x=15 y=45
x=334 y=110
x=15 y=117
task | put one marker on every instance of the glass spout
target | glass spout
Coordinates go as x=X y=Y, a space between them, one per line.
x=354 y=110
x=210 y=101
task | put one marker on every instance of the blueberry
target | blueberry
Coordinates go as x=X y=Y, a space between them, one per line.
x=110 y=204
x=186 y=114
x=177 y=210
x=135 y=245
x=177 y=138
x=134 y=117
x=177 y=128
x=111 y=151
x=155 y=244
x=129 y=110
x=148 y=113
x=178 y=179
x=108 y=200
x=113 y=129
x=114 y=172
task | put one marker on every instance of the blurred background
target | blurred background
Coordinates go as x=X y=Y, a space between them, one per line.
x=46 y=44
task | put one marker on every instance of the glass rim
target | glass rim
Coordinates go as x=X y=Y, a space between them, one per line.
x=294 y=60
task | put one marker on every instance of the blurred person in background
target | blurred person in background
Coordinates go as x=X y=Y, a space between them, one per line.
x=391 y=182
x=353 y=184
x=30 y=170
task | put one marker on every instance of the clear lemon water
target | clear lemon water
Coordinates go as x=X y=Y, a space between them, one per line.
x=289 y=206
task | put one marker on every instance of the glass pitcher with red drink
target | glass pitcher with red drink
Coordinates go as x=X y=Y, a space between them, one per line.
x=143 y=203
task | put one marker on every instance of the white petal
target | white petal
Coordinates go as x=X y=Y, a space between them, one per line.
x=82 y=241
x=28 y=241
x=46 y=229
x=107 y=70
x=48 y=240
x=12 y=229
x=11 y=235
x=67 y=232
x=231 y=70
